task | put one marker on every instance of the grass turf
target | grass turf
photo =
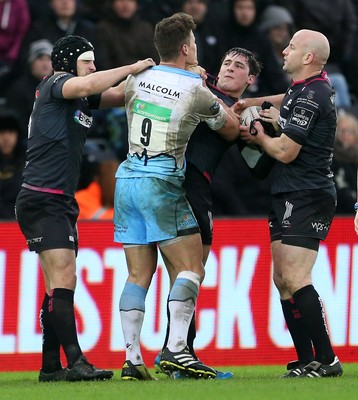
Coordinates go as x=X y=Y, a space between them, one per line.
x=251 y=383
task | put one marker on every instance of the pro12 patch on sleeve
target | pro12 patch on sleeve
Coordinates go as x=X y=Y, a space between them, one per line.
x=301 y=117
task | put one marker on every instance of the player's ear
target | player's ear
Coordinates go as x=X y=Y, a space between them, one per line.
x=251 y=79
x=185 y=49
x=308 y=58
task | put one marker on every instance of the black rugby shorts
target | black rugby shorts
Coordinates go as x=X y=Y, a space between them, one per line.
x=197 y=189
x=48 y=221
x=301 y=214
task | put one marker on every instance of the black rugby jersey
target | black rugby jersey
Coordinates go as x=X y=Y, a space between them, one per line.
x=57 y=133
x=308 y=116
x=206 y=147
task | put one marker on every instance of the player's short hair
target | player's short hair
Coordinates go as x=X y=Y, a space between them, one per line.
x=255 y=66
x=171 y=33
x=66 y=52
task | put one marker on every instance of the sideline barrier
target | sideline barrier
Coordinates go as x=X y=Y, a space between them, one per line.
x=239 y=315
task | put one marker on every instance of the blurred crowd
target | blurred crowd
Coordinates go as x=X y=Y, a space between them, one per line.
x=122 y=33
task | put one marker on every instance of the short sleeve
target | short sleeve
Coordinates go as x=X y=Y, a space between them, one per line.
x=209 y=109
x=57 y=84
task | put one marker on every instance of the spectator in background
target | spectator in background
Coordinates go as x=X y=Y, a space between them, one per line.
x=96 y=187
x=277 y=24
x=337 y=20
x=14 y=23
x=242 y=30
x=21 y=94
x=219 y=10
x=123 y=36
x=92 y=9
x=38 y=12
x=208 y=35
x=12 y=160
x=63 y=20
x=153 y=10
x=345 y=162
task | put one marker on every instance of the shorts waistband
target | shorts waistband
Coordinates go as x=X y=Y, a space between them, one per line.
x=40 y=189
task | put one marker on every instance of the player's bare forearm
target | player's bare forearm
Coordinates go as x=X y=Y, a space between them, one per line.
x=281 y=148
x=275 y=100
x=113 y=97
x=231 y=129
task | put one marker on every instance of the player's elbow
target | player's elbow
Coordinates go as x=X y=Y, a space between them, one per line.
x=287 y=150
x=287 y=158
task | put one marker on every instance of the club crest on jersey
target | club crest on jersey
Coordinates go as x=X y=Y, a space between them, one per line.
x=82 y=119
x=214 y=109
x=310 y=95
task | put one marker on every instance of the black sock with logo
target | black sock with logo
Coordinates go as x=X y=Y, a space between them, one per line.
x=311 y=309
x=62 y=315
x=50 y=343
x=300 y=337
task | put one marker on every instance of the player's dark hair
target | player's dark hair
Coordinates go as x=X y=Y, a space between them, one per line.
x=255 y=66
x=171 y=33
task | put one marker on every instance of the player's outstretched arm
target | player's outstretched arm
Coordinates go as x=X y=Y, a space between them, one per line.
x=98 y=82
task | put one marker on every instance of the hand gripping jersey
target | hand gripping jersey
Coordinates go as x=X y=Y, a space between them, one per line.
x=164 y=105
x=206 y=148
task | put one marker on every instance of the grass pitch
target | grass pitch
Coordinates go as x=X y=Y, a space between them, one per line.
x=248 y=383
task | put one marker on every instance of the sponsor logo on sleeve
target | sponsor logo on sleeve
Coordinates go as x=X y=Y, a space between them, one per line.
x=83 y=119
x=301 y=117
